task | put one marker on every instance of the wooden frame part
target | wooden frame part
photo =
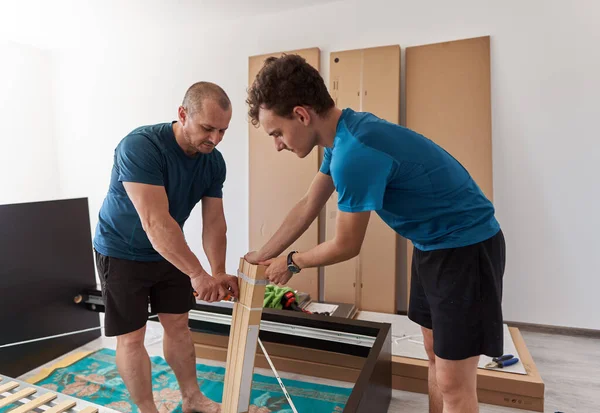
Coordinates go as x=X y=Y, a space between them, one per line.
x=243 y=338
x=371 y=366
x=24 y=397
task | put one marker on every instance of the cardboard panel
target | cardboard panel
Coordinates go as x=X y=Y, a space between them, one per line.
x=448 y=99
x=277 y=182
x=366 y=80
x=345 y=72
x=378 y=257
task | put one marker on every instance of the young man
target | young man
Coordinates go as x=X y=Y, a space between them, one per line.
x=420 y=191
x=160 y=173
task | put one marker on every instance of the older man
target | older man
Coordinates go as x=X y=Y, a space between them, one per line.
x=160 y=173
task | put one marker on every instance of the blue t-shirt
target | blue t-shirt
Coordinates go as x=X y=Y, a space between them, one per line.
x=414 y=185
x=151 y=155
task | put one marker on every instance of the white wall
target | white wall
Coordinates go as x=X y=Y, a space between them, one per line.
x=28 y=167
x=544 y=85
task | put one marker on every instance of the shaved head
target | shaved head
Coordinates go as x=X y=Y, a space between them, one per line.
x=199 y=92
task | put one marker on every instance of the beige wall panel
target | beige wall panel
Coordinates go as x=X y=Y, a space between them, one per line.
x=448 y=99
x=378 y=258
x=340 y=279
x=278 y=180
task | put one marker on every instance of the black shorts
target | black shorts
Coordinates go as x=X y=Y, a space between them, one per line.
x=457 y=292
x=128 y=287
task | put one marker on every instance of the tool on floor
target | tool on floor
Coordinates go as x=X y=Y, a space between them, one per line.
x=501 y=362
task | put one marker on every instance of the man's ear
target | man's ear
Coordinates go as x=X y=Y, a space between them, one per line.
x=181 y=113
x=302 y=114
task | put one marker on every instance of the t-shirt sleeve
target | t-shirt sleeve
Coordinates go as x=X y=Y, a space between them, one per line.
x=362 y=179
x=139 y=160
x=215 y=190
x=325 y=165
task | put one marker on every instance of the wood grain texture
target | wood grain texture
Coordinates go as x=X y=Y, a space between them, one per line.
x=8 y=386
x=378 y=256
x=62 y=407
x=365 y=80
x=278 y=180
x=16 y=396
x=35 y=403
x=241 y=350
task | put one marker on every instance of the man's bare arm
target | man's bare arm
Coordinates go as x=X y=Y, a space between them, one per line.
x=297 y=220
x=152 y=206
x=350 y=230
x=214 y=233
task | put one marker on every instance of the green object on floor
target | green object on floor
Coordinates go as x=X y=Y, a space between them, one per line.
x=95 y=378
x=273 y=295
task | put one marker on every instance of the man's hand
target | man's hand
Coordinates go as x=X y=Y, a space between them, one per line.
x=229 y=282
x=277 y=271
x=208 y=288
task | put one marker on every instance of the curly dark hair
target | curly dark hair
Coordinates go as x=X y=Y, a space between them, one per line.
x=284 y=83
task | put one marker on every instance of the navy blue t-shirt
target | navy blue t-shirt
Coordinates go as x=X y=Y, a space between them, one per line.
x=151 y=155
x=414 y=185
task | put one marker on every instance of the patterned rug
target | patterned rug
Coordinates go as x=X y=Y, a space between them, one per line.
x=95 y=378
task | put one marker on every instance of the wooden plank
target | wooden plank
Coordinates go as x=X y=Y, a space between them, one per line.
x=89 y=409
x=285 y=364
x=243 y=338
x=35 y=403
x=291 y=176
x=340 y=280
x=61 y=407
x=17 y=396
x=8 y=386
x=378 y=256
x=288 y=351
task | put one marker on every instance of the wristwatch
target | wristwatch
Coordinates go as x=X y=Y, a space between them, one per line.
x=294 y=269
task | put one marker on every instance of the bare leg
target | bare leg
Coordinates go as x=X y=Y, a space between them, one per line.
x=457 y=380
x=133 y=364
x=179 y=352
x=435 y=395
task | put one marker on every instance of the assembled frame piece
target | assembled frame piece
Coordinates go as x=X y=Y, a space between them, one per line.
x=243 y=338
x=23 y=397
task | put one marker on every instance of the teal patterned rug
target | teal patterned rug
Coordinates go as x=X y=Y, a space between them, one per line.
x=95 y=378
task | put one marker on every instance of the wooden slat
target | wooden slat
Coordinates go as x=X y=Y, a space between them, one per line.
x=16 y=396
x=35 y=403
x=89 y=409
x=62 y=407
x=243 y=337
x=9 y=386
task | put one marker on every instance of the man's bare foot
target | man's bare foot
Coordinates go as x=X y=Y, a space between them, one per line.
x=200 y=404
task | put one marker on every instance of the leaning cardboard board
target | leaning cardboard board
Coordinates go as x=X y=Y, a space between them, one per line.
x=523 y=391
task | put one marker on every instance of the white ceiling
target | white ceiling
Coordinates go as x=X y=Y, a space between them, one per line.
x=45 y=23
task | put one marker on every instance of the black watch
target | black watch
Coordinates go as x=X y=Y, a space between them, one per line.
x=294 y=269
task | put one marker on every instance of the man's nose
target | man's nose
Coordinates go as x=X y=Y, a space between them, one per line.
x=279 y=145
x=216 y=137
